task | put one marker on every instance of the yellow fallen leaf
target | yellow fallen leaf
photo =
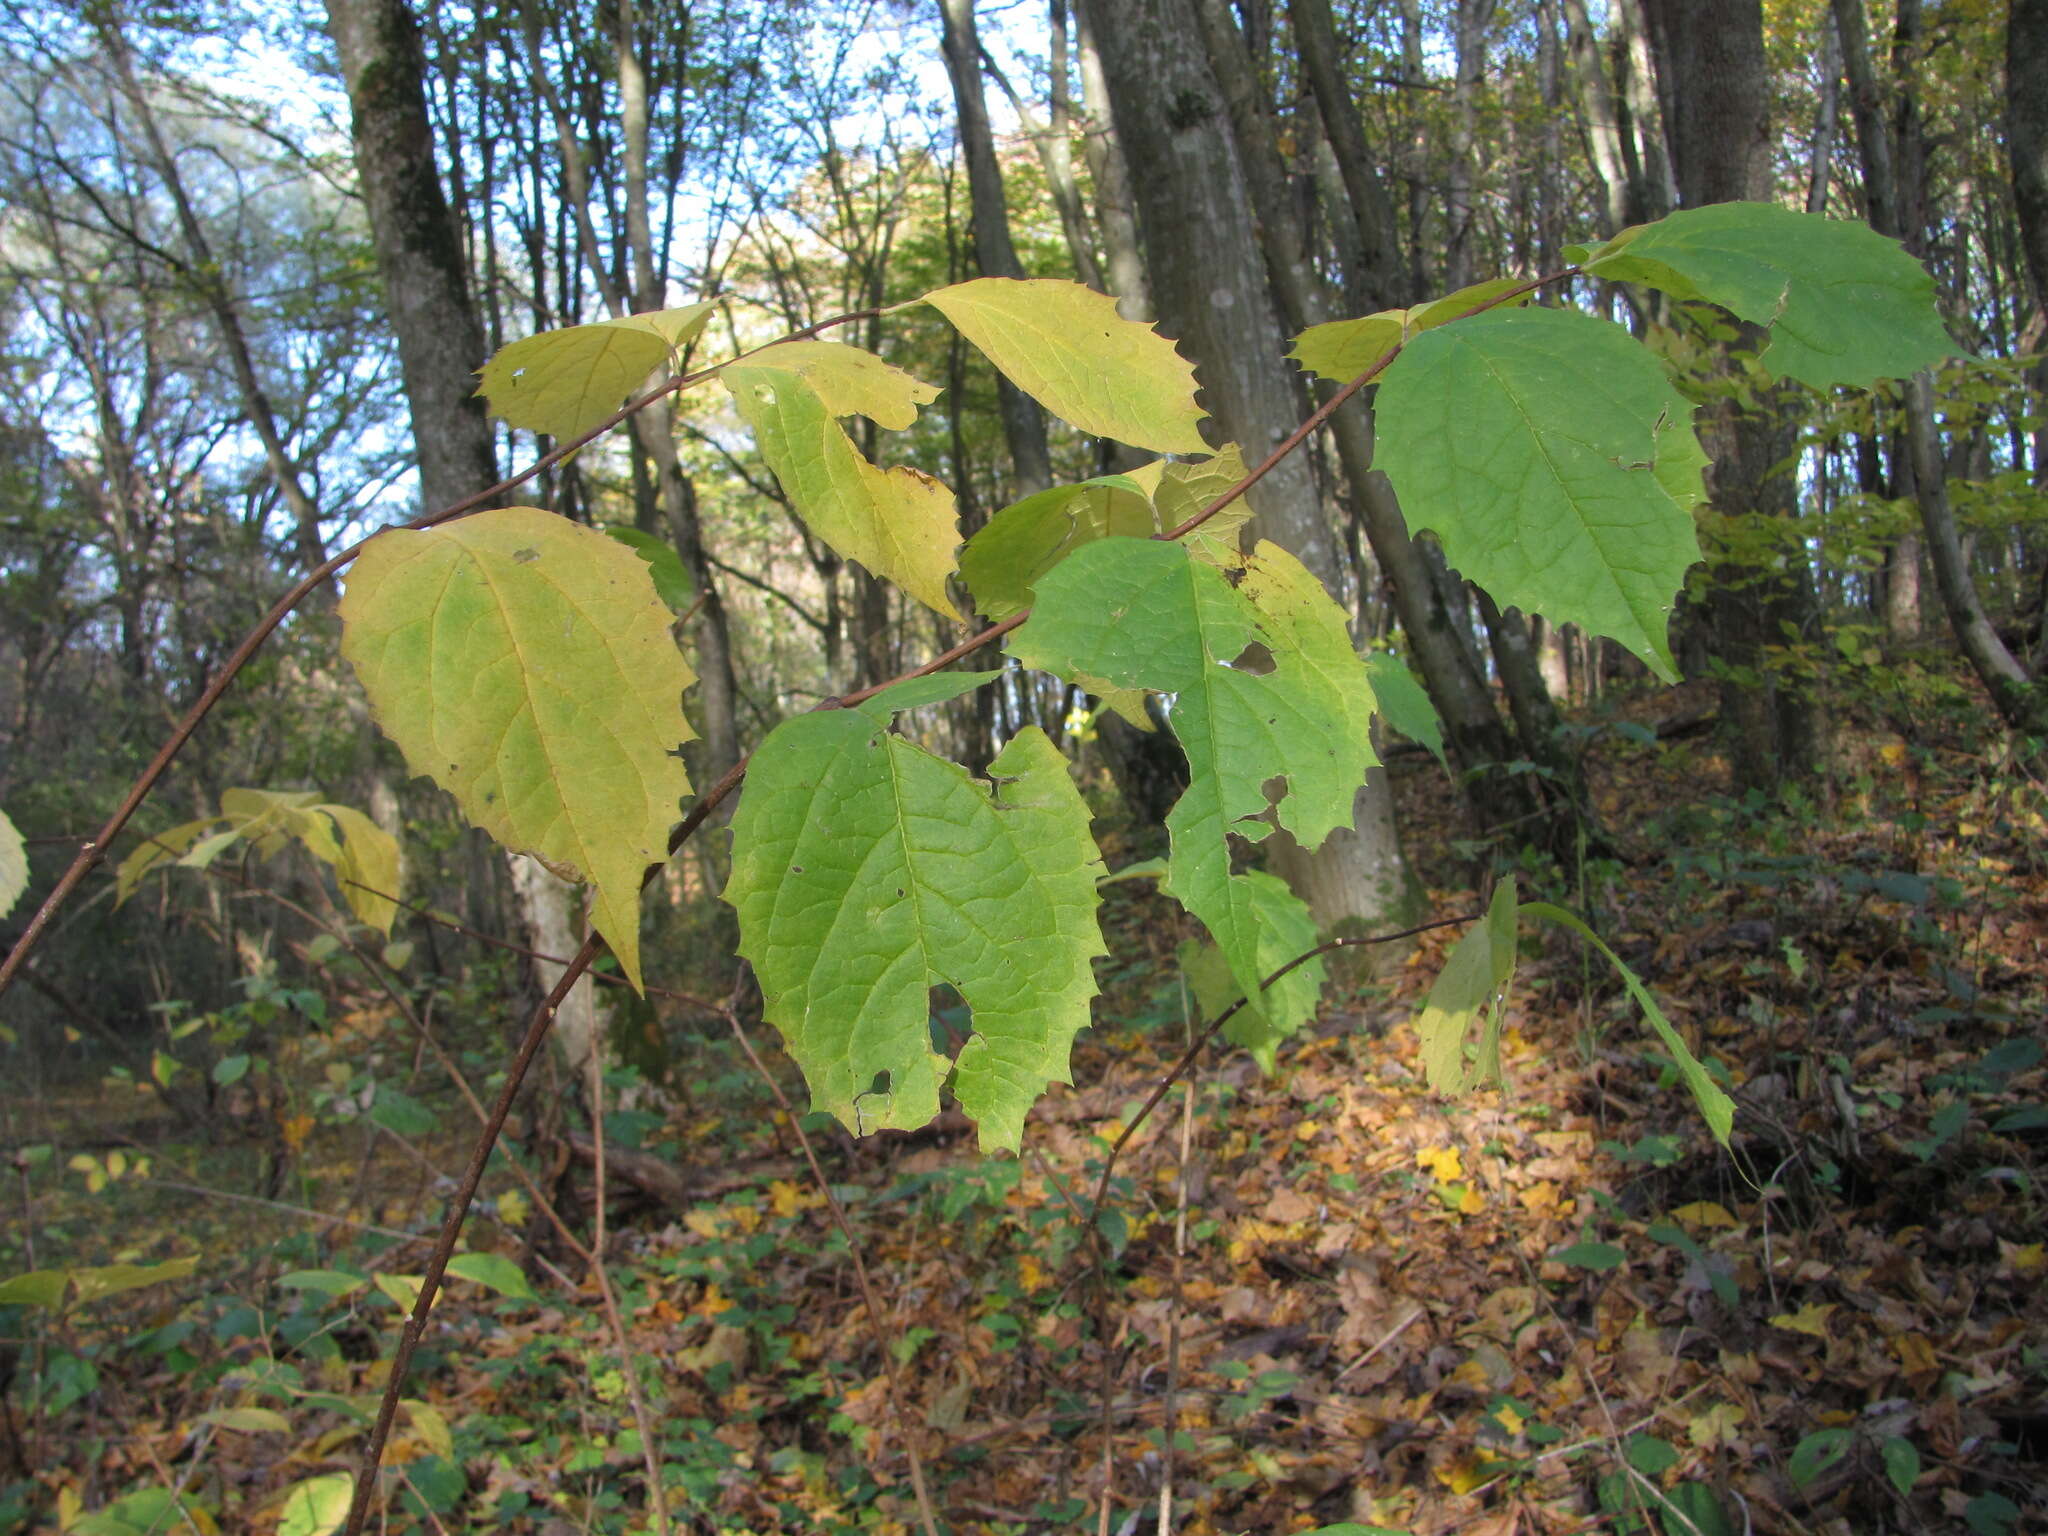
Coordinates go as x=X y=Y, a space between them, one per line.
x=1811 y=1319
x=788 y=1198
x=1540 y=1196
x=1030 y=1273
x=1916 y=1353
x=295 y=1130
x=1471 y=1202
x=514 y=1210
x=1509 y=1420
x=2029 y=1259
x=1443 y=1162
x=1465 y=1472
x=1718 y=1425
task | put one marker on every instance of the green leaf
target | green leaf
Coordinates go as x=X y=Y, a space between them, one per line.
x=1650 y=1455
x=525 y=665
x=1284 y=930
x=317 y=1506
x=1150 y=614
x=495 y=1271
x=38 y=1288
x=672 y=583
x=331 y=1283
x=1557 y=464
x=1715 y=1105
x=1343 y=349
x=1991 y=1514
x=1404 y=703
x=1698 y=1512
x=563 y=383
x=1004 y=560
x=1475 y=977
x=1595 y=1256
x=866 y=871
x=1066 y=347
x=1901 y=1464
x=13 y=865
x=932 y=688
x=401 y=1114
x=898 y=523
x=850 y=381
x=1842 y=303
x=114 y=1279
x=1816 y=1453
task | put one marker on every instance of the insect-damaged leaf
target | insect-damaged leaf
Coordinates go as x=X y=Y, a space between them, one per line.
x=1557 y=464
x=1843 y=304
x=867 y=871
x=525 y=665
x=898 y=523
x=1150 y=614
x=565 y=382
x=1068 y=348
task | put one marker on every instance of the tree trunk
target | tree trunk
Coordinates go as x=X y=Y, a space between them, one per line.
x=1719 y=129
x=426 y=287
x=1213 y=294
x=994 y=254
x=2026 y=131
x=1372 y=255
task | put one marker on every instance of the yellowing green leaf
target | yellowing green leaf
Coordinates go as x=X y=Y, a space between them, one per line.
x=866 y=871
x=1143 y=613
x=525 y=665
x=317 y=1506
x=1842 y=303
x=565 y=382
x=1340 y=350
x=851 y=381
x=492 y=1270
x=1474 y=980
x=112 y=1279
x=898 y=523
x=1003 y=561
x=366 y=865
x=13 y=865
x=38 y=1288
x=249 y=1421
x=1066 y=347
x=404 y=1290
x=164 y=848
x=1557 y=464
x=431 y=1425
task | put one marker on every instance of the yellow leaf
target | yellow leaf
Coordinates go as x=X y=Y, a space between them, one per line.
x=1540 y=1197
x=2027 y=1259
x=514 y=1209
x=69 y=1507
x=788 y=1198
x=851 y=381
x=1030 y=1273
x=403 y=1289
x=1471 y=1202
x=1465 y=1472
x=1893 y=754
x=1916 y=1353
x=295 y=1130
x=1066 y=347
x=1704 y=1213
x=1445 y=1163
x=898 y=523
x=1811 y=1319
x=525 y=665
x=430 y=1425
x=1718 y=1425
x=565 y=382
x=1508 y=1419
x=366 y=866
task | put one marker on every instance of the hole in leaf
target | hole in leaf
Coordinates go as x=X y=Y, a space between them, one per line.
x=1255 y=658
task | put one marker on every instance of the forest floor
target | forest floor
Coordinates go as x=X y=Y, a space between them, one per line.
x=1321 y=1295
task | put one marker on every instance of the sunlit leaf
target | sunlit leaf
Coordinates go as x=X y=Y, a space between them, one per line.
x=671 y=582
x=1474 y=979
x=898 y=523
x=494 y=1271
x=1149 y=614
x=563 y=383
x=317 y=1506
x=1340 y=350
x=1066 y=347
x=851 y=381
x=1557 y=464
x=525 y=665
x=113 y=1279
x=13 y=865
x=1842 y=303
x=165 y=847
x=866 y=871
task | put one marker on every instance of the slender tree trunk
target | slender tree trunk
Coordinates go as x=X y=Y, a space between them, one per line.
x=994 y=253
x=1719 y=129
x=1372 y=255
x=1115 y=211
x=1601 y=114
x=1213 y=294
x=1473 y=19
